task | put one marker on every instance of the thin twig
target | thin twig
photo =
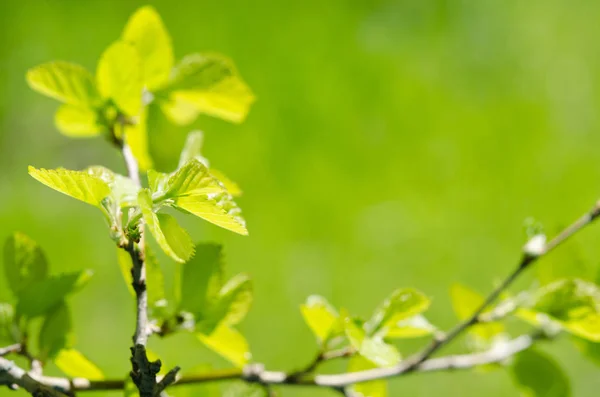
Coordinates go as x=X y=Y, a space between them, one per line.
x=16 y=348
x=12 y=376
x=256 y=373
x=526 y=261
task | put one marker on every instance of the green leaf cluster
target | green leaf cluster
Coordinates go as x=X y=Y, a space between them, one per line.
x=203 y=302
x=40 y=295
x=400 y=316
x=136 y=70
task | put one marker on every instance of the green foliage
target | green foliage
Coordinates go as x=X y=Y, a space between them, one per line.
x=7 y=315
x=77 y=122
x=192 y=189
x=572 y=304
x=367 y=389
x=75 y=364
x=320 y=316
x=66 y=82
x=240 y=389
x=537 y=375
x=228 y=342
x=147 y=33
x=119 y=77
x=43 y=296
x=465 y=302
x=173 y=240
x=401 y=305
x=373 y=348
x=56 y=333
x=205 y=84
x=24 y=262
x=80 y=185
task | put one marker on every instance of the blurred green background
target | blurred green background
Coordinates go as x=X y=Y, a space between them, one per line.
x=393 y=143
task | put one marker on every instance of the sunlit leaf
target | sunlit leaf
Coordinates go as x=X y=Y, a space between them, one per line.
x=77 y=121
x=574 y=304
x=24 y=262
x=211 y=84
x=56 y=332
x=74 y=364
x=366 y=389
x=122 y=188
x=147 y=33
x=229 y=343
x=401 y=304
x=235 y=299
x=40 y=297
x=465 y=302
x=372 y=348
x=537 y=375
x=171 y=237
x=77 y=184
x=320 y=316
x=136 y=136
x=194 y=190
x=231 y=186
x=67 y=82
x=242 y=389
x=7 y=313
x=202 y=279
x=178 y=110
x=412 y=327
x=119 y=77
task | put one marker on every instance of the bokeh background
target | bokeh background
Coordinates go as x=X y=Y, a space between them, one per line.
x=393 y=143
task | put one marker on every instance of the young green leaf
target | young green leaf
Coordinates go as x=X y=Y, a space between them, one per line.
x=465 y=302
x=242 y=389
x=401 y=304
x=24 y=262
x=232 y=187
x=7 y=314
x=235 y=299
x=193 y=190
x=537 y=375
x=74 y=364
x=320 y=316
x=177 y=110
x=229 y=343
x=136 y=136
x=147 y=33
x=77 y=184
x=574 y=304
x=373 y=348
x=201 y=279
x=171 y=237
x=367 y=389
x=41 y=297
x=412 y=327
x=77 y=122
x=56 y=333
x=211 y=84
x=119 y=77
x=66 y=82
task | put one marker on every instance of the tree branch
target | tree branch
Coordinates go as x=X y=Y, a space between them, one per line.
x=529 y=257
x=143 y=372
x=256 y=373
x=13 y=376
